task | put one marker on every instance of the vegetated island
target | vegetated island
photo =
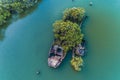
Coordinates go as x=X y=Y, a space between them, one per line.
x=10 y=7
x=68 y=36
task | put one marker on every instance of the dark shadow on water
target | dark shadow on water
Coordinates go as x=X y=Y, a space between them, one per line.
x=3 y=28
x=85 y=21
x=67 y=59
x=83 y=27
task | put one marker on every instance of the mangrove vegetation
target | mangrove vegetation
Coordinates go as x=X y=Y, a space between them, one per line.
x=76 y=63
x=67 y=33
x=74 y=14
x=10 y=7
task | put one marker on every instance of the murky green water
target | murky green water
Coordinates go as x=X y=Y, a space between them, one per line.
x=25 y=43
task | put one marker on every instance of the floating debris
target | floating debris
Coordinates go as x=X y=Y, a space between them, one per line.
x=91 y=3
x=38 y=72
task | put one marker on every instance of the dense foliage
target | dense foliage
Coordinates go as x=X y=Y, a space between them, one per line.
x=74 y=14
x=67 y=33
x=4 y=14
x=10 y=7
x=77 y=62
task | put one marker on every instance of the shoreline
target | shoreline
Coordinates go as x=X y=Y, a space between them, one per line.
x=14 y=8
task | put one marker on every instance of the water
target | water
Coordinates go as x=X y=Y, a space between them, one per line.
x=25 y=43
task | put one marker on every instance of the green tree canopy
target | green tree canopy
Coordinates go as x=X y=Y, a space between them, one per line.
x=67 y=34
x=74 y=14
x=10 y=7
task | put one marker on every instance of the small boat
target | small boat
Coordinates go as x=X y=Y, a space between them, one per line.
x=56 y=56
x=79 y=50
